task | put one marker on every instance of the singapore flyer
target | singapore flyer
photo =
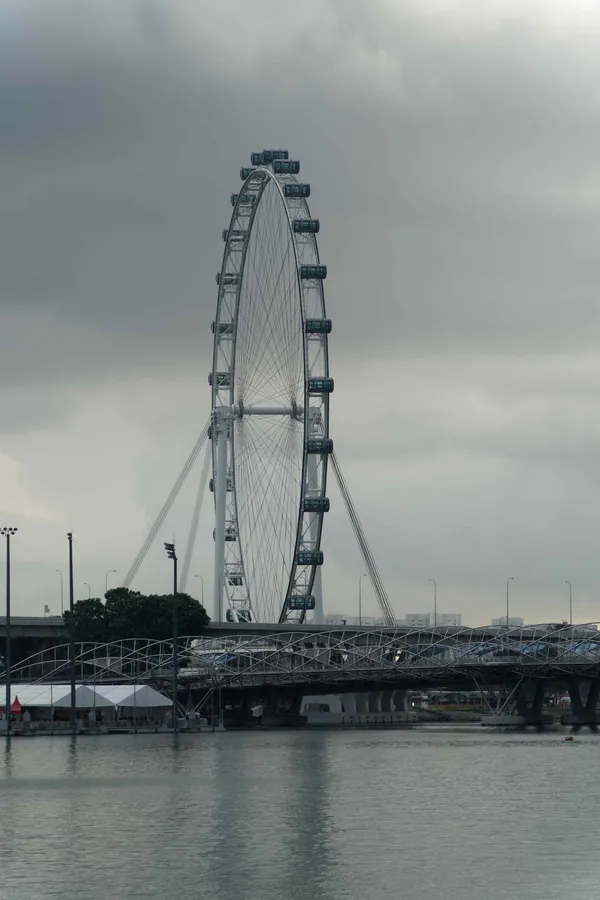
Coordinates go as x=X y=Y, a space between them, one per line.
x=271 y=387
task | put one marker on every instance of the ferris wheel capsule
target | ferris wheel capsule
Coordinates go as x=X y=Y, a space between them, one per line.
x=270 y=389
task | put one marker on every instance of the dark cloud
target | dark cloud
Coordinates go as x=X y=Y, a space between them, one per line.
x=453 y=159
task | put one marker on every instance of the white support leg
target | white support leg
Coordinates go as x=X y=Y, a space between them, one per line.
x=318 y=615
x=220 y=434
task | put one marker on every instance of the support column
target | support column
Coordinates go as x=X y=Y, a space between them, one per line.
x=532 y=711
x=400 y=701
x=312 y=484
x=387 y=701
x=375 y=701
x=219 y=426
x=349 y=704
x=362 y=703
x=584 y=714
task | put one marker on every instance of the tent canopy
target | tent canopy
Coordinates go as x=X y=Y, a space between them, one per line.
x=87 y=696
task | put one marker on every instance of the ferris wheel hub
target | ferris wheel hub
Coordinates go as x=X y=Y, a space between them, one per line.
x=293 y=411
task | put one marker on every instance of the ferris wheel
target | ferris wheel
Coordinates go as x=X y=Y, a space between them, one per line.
x=270 y=388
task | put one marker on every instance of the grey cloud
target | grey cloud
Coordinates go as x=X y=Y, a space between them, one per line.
x=456 y=183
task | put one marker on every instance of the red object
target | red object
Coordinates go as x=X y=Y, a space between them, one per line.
x=15 y=706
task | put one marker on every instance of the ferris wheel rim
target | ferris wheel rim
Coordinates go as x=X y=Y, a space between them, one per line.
x=263 y=177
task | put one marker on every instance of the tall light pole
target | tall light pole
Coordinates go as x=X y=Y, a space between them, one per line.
x=570 y=602
x=89 y=587
x=202 y=583
x=434 y=601
x=8 y=533
x=508 y=581
x=62 y=595
x=360 y=578
x=110 y=572
x=170 y=548
x=72 y=636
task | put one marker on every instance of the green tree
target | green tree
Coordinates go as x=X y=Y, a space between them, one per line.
x=191 y=615
x=130 y=614
x=91 y=622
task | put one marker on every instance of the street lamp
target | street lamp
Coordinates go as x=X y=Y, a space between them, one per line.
x=508 y=580
x=434 y=601
x=7 y=532
x=110 y=572
x=89 y=587
x=72 y=636
x=62 y=596
x=202 y=582
x=360 y=578
x=570 y=602
x=170 y=548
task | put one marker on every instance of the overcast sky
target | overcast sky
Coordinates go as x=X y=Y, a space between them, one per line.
x=453 y=149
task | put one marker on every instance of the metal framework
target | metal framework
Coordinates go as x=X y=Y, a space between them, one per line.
x=270 y=401
x=337 y=659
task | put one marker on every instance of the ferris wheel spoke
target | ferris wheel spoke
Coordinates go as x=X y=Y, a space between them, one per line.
x=272 y=327
x=288 y=358
x=273 y=366
x=268 y=497
x=285 y=472
x=282 y=359
x=272 y=339
x=265 y=270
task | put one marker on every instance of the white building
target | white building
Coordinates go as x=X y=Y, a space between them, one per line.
x=452 y=620
x=513 y=622
x=417 y=620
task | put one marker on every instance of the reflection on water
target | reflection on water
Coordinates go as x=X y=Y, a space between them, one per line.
x=426 y=815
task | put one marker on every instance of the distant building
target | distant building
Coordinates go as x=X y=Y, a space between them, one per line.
x=425 y=620
x=513 y=622
x=352 y=621
x=452 y=620
x=412 y=620
x=417 y=620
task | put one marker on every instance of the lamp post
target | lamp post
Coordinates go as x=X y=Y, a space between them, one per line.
x=8 y=533
x=508 y=581
x=360 y=578
x=570 y=602
x=62 y=595
x=434 y=601
x=170 y=548
x=110 y=572
x=72 y=636
x=89 y=587
x=202 y=583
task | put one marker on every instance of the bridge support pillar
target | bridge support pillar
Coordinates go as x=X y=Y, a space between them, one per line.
x=375 y=701
x=349 y=704
x=517 y=705
x=362 y=703
x=387 y=702
x=531 y=710
x=584 y=713
x=400 y=701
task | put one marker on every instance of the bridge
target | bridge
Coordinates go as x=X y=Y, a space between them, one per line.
x=514 y=669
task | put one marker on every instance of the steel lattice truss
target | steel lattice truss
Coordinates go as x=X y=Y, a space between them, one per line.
x=338 y=659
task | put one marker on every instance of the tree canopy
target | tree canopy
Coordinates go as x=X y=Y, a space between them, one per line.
x=130 y=614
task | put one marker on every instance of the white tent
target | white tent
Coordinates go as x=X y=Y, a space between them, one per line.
x=130 y=695
x=89 y=696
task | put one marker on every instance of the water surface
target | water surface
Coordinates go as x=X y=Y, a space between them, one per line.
x=302 y=815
